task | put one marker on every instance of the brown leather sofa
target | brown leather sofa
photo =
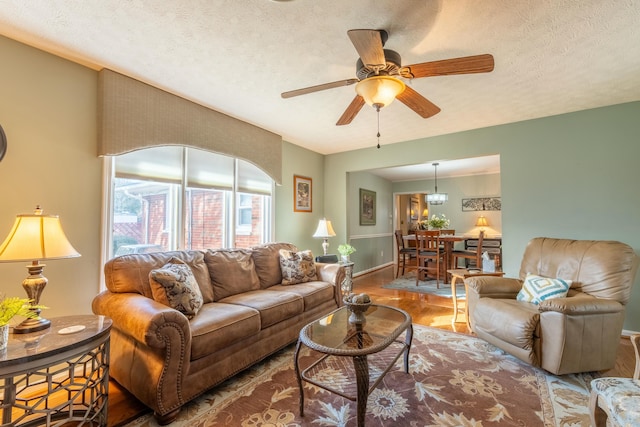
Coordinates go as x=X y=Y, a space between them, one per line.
x=165 y=359
x=577 y=333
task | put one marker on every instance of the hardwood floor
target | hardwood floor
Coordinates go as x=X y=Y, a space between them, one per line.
x=425 y=310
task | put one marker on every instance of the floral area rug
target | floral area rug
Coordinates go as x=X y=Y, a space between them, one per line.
x=453 y=380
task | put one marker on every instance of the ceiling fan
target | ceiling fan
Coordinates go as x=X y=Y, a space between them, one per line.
x=378 y=73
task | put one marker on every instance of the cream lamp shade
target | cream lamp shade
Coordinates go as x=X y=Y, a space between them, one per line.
x=482 y=222
x=35 y=237
x=324 y=231
x=380 y=91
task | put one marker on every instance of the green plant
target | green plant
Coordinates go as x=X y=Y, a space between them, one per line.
x=346 y=249
x=437 y=222
x=14 y=306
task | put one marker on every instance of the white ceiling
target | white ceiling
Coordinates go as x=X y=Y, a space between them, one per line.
x=446 y=169
x=237 y=56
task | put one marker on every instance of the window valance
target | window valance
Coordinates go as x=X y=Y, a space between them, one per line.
x=135 y=115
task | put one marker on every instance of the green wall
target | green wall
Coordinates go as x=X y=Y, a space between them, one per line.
x=567 y=176
x=373 y=244
x=298 y=227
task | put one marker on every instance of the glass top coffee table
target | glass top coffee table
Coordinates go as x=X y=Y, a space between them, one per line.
x=365 y=352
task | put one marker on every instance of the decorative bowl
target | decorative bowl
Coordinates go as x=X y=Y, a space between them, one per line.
x=357 y=311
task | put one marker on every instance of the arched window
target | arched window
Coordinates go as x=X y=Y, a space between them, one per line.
x=175 y=197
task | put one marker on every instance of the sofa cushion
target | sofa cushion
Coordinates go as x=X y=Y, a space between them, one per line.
x=536 y=289
x=220 y=325
x=232 y=272
x=267 y=262
x=130 y=273
x=313 y=293
x=274 y=306
x=297 y=267
x=175 y=285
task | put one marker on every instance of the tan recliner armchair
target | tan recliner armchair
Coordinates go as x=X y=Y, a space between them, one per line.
x=577 y=333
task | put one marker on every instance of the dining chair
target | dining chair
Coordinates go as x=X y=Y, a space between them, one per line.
x=618 y=397
x=475 y=255
x=405 y=254
x=428 y=250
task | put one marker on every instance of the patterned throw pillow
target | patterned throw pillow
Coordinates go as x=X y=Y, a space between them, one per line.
x=175 y=285
x=297 y=267
x=537 y=289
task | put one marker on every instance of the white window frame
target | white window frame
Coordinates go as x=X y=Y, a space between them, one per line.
x=176 y=219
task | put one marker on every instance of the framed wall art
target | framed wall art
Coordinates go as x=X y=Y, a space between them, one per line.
x=415 y=208
x=482 y=204
x=367 y=207
x=302 y=194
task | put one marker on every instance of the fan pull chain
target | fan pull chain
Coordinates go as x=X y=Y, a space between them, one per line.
x=378 y=135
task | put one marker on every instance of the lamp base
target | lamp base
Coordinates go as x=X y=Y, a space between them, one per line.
x=325 y=246
x=32 y=325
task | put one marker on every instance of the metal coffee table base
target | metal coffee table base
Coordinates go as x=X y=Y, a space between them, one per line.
x=384 y=360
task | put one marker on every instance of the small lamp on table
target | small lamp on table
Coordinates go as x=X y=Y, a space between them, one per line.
x=35 y=237
x=482 y=222
x=324 y=231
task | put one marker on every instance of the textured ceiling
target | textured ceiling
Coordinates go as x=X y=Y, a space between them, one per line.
x=236 y=57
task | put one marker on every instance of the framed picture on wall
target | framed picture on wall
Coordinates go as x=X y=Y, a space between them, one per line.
x=367 y=207
x=302 y=194
x=415 y=208
x=482 y=204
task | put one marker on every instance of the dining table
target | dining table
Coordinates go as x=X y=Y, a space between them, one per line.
x=448 y=242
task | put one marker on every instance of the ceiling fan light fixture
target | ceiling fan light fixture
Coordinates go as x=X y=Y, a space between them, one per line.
x=379 y=91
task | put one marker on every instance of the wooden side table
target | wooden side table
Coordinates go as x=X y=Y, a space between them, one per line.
x=57 y=376
x=461 y=274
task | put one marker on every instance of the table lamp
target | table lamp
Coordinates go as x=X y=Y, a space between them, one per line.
x=35 y=237
x=482 y=222
x=324 y=231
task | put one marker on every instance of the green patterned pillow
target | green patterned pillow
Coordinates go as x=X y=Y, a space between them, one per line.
x=175 y=285
x=297 y=267
x=537 y=289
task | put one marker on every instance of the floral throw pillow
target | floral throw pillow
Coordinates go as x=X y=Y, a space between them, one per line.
x=536 y=289
x=297 y=267
x=175 y=285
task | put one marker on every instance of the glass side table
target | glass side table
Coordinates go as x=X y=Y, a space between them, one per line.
x=57 y=376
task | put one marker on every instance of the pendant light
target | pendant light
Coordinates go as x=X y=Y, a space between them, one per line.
x=436 y=198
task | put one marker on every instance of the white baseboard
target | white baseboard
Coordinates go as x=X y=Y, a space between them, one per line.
x=377 y=267
x=627 y=333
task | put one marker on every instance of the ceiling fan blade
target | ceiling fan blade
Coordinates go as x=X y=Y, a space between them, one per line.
x=465 y=65
x=369 y=45
x=418 y=103
x=318 y=88
x=352 y=110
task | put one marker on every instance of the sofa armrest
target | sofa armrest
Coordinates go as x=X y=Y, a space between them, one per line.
x=581 y=305
x=143 y=319
x=334 y=274
x=493 y=286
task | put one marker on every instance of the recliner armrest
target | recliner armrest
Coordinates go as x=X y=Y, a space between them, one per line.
x=494 y=287
x=581 y=305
